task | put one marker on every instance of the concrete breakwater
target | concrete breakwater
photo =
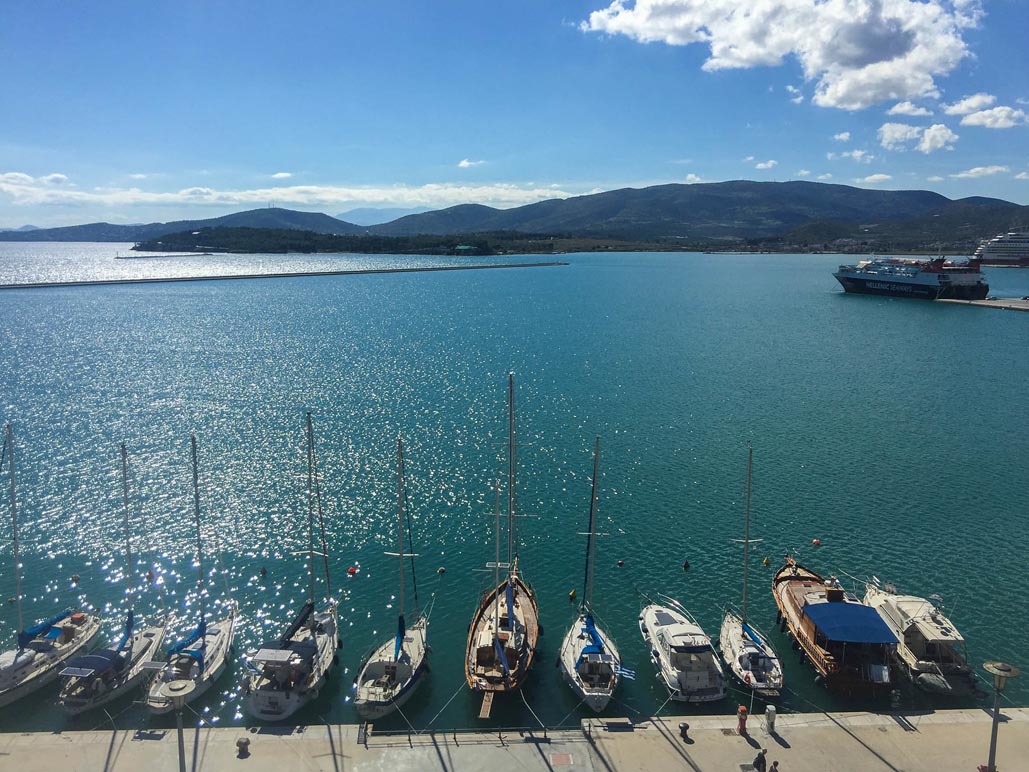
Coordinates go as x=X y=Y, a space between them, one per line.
x=280 y=275
x=801 y=742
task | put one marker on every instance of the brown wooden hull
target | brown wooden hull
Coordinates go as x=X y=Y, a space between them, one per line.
x=480 y=679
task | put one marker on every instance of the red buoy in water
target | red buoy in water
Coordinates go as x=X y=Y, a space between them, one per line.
x=351 y=571
x=817 y=542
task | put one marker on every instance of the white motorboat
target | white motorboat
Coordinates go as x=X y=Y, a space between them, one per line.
x=95 y=679
x=682 y=653
x=589 y=661
x=285 y=674
x=196 y=661
x=389 y=677
x=930 y=650
x=43 y=649
x=746 y=651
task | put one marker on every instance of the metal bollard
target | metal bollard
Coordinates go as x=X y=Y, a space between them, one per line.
x=770 y=718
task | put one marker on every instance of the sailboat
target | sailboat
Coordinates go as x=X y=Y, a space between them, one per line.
x=44 y=648
x=746 y=651
x=94 y=679
x=391 y=674
x=589 y=660
x=196 y=661
x=289 y=672
x=503 y=633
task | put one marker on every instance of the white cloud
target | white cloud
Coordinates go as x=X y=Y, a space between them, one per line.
x=843 y=136
x=1022 y=176
x=825 y=176
x=937 y=137
x=857 y=53
x=995 y=118
x=691 y=178
x=1022 y=101
x=282 y=175
x=874 y=179
x=748 y=159
x=798 y=97
x=22 y=189
x=770 y=164
x=465 y=164
x=54 y=179
x=137 y=176
x=901 y=136
x=803 y=173
x=935 y=178
x=895 y=136
x=980 y=171
x=970 y=104
x=907 y=108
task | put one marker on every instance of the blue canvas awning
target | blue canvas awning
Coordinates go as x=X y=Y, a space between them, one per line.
x=849 y=623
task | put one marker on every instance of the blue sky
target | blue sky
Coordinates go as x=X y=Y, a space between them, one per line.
x=152 y=111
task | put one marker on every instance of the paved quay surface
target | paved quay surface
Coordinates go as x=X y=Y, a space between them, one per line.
x=816 y=742
x=1007 y=304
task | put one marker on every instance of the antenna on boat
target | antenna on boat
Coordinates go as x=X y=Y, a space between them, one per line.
x=196 y=514
x=14 y=533
x=587 y=580
x=130 y=582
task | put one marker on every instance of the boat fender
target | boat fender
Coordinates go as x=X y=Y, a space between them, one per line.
x=335 y=659
x=339 y=643
x=540 y=628
x=746 y=679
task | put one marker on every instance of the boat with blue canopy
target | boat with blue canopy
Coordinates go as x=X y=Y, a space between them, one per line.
x=42 y=649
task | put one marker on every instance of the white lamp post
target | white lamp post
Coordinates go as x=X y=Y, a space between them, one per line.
x=1001 y=672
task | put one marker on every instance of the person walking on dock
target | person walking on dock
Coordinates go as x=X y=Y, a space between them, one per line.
x=760 y=763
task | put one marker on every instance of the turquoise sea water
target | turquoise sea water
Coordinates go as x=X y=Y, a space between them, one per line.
x=894 y=431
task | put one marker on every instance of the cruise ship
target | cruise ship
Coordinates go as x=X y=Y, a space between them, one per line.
x=929 y=279
x=1009 y=249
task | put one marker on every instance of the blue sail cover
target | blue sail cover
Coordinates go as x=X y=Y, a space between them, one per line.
x=128 y=631
x=193 y=637
x=849 y=623
x=400 y=638
x=596 y=644
x=510 y=606
x=43 y=628
x=503 y=657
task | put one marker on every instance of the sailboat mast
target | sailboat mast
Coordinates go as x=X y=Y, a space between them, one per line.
x=310 y=505
x=746 y=537
x=400 y=519
x=129 y=581
x=14 y=531
x=196 y=514
x=511 y=498
x=587 y=580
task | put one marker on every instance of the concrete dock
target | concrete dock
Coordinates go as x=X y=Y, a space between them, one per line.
x=938 y=741
x=1006 y=304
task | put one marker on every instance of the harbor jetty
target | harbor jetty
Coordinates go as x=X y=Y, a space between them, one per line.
x=1006 y=304
x=801 y=742
x=286 y=275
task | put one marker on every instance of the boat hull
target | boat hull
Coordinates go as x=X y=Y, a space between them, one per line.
x=74 y=703
x=899 y=289
x=597 y=687
x=744 y=646
x=701 y=679
x=269 y=700
x=378 y=696
x=491 y=679
x=45 y=666
x=218 y=643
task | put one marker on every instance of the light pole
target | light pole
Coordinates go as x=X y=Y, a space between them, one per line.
x=178 y=692
x=1001 y=672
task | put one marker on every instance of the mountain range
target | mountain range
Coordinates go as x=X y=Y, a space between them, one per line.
x=715 y=213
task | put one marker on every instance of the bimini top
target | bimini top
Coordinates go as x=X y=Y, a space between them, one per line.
x=849 y=622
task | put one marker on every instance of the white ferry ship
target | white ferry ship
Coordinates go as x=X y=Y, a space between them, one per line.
x=929 y=279
x=1011 y=248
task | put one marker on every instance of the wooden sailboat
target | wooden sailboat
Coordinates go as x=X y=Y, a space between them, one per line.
x=44 y=648
x=391 y=674
x=503 y=633
x=589 y=661
x=746 y=651
x=196 y=661
x=94 y=679
x=287 y=673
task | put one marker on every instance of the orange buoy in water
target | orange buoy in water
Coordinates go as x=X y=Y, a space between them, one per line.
x=817 y=542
